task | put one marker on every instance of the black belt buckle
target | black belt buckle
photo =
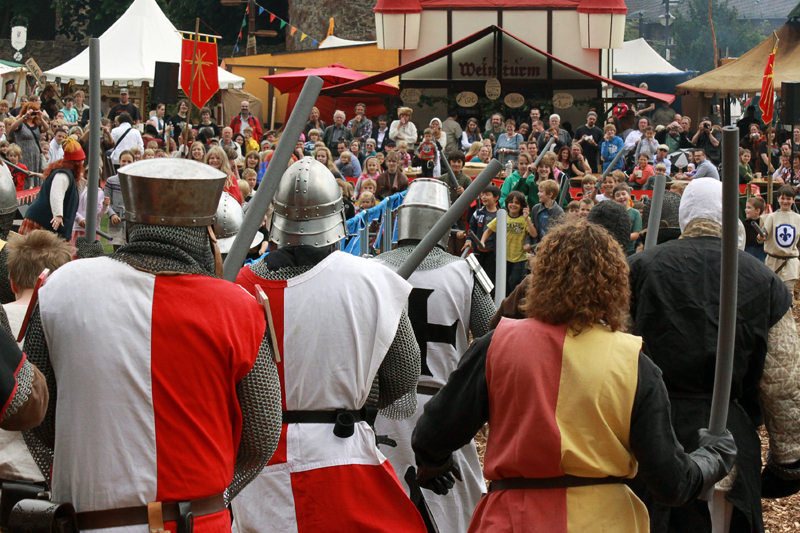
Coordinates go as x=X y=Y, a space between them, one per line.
x=185 y=520
x=345 y=425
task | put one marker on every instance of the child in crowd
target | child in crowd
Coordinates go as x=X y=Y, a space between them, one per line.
x=116 y=209
x=573 y=210
x=462 y=181
x=610 y=146
x=148 y=154
x=606 y=188
x=366 y=200
x=402 y=149
x=14 y=154
x=427 y=152
x=586 y=205
x=347 y=198
x=381 y=157
x=137 y=154
x=647 y=145
x=371 y=171
x=660 y=170
x=752 y=211
x=345 y=165
x=249 y=175
x=313 y=137
x=677 y=188
x=524 y=171
x=79 y=225
x=45 y=150
x=546 y=212
x=4 y=147
x=478 y=223
x=368 y=185
x=782 y=228
x=250 y=144
x=639 y=206
x=588 y=185
x=244 y=189
x=641 y=172
x=622 y=195
x=28 y=255
x=517 y=227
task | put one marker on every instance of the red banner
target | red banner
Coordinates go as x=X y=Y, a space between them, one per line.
x=206 y=82
x=766 y=104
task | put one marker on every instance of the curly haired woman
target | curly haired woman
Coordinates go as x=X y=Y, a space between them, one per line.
x=574 y=407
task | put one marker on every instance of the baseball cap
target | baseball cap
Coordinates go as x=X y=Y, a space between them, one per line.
x=123 y=91
x=663 y=147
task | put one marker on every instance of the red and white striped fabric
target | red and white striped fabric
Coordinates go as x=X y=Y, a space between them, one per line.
x=146 y=368
x=334 y=325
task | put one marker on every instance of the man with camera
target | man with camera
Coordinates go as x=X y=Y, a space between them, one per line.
x=590 y=138
x=708 y=139
x=673 y=137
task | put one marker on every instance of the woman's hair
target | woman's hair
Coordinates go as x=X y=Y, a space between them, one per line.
x=570 y=255
x=197 y=143
x=473 y=149
x=548 y=160
x=224 y=166
x=126 y=152
x=76 y=167
x=511 y=121
x=562 y=149
x=769 y=130
x=31 y=105
x=329 y=160
x=238 y=136
x=345 y=188
x=473 y=121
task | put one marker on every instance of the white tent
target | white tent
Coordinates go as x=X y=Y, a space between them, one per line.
x=130 y=48
x=638 y=57
x=332 y=41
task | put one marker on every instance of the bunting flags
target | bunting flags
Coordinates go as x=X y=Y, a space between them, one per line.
x=766 y=104
x=272 y=18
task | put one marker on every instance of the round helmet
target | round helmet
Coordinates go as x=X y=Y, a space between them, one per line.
x=8 y=192
x=308 y=207
x=425 y=203
x=229 y=221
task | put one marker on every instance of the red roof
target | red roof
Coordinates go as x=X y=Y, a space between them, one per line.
x=533 y=4
x=603 y=6
x=466 y=41
x=397 y=6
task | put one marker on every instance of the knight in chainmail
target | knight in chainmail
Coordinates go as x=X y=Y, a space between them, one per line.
x=8 y=208
x=347 y=352
x=446 y=304
x=162 y=385
x=669 y=228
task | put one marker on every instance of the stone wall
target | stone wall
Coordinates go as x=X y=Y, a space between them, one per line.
x=47 y=54
x=353 y=19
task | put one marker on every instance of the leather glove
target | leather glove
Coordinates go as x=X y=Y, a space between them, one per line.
x=779 y=481
x=439 y=479
x=87 y=250
x=715 y=457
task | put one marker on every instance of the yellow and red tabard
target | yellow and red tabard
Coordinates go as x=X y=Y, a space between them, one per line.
x=560 y=405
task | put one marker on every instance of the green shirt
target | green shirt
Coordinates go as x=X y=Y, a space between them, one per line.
x=508 y=185
x=636 y=226
x=530 y=189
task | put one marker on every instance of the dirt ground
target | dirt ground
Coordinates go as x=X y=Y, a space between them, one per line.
x=779 y=515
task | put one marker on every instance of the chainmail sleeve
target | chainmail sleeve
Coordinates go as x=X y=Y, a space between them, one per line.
x=481 y=312
x=6 y=294
x=87 y=250
x=4 y=325
x=41 y=440
x=398 y=374
x=259 y=395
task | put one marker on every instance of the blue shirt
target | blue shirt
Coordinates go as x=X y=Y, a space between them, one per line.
x=544 y=218
x=70 y=115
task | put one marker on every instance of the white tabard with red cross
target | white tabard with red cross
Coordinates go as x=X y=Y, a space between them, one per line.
x=439 y=308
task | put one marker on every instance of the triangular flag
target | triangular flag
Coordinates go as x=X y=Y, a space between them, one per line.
x=293 y=30
x=314 y=41
x=244 y=22
x=271 y=17
x=236 y=48
x=247 y=9
x=240 y=34
x=283 y=23
x=261 y=10
x=303 y=37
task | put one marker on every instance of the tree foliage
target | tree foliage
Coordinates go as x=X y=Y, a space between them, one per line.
x=694 y=47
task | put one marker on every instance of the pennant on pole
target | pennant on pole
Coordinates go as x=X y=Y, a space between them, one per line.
x=293 y=30
x=272 y=17
x=766 y=104
x=204 y=67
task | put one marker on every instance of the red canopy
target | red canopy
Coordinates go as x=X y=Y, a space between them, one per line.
x=336 y=74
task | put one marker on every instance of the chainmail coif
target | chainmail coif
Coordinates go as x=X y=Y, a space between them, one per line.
x=394 y=390
x=669 y=210
x=168 y=249
x=482 y=308
x=6 y=223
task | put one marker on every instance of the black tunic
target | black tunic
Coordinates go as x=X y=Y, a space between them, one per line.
x=675 y=306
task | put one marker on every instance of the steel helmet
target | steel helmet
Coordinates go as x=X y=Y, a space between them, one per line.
x=229 y=221
x=425 y=203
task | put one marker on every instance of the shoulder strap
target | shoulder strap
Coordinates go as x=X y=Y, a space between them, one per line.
x=123 y=135
x=33 y=133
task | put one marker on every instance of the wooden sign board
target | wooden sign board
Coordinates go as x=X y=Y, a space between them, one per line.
x=410 y=96
x=562 y=100
x=36 y=72
x=514 y=100
x=493 y=88
x=467 y=99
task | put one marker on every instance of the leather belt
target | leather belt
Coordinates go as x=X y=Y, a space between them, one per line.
x=134 y=516
x=560 y=482
x=785 y=260
x=429 y=390
x=326 y=417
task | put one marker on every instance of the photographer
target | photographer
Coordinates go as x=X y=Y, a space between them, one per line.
x=708 y=139
x=673 y=137
x=28 y=130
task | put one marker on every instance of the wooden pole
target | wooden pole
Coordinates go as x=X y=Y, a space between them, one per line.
x=713 y=35
x=191 y=83
x=251 y=27
x=19 y=84
x=144 y=113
